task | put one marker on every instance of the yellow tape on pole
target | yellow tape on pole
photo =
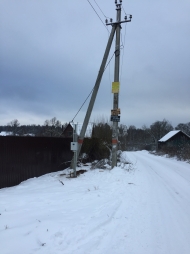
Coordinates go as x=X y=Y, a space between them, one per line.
x=115 y=87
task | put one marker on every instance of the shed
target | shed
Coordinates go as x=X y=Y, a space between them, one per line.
x=68 y=131
x=174 y=139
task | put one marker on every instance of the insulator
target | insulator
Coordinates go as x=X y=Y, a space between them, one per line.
x=130 y=16
x=111 y=20
x=106 y=21
x=125 y=18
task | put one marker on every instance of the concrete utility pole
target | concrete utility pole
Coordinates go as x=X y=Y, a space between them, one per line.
x=116 y=26
x=116 y=95
x=74 y=148
x=75 y=152
x=95 y=91
x=116 y=85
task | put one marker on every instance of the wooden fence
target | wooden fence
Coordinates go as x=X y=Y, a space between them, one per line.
x=22 y=158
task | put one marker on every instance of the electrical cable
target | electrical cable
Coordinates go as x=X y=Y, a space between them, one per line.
x=82 y=105
x=123 y=10
x=100 y=9
x=123 y=47
x=98 y=16
x=91 y=90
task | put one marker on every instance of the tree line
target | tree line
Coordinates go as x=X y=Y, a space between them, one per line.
x=130 y=137
x=50 y=128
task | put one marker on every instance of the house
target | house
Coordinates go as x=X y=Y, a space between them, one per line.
x=174 y=139
x=67 y=132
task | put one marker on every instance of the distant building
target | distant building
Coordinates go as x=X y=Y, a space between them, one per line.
x=67 y=132
x=174 y=139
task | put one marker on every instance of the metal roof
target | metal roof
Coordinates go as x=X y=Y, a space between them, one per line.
x=168 y=136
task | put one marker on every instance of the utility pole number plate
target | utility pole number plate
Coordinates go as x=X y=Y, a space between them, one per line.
x=115 y=118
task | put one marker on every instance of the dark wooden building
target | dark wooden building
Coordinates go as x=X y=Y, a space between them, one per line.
x=67 y=132
x=173 y=140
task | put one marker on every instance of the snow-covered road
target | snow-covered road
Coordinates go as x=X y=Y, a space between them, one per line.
x=164 y=200
x=143 y=211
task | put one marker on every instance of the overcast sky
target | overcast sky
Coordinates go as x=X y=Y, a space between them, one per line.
x=51 y=51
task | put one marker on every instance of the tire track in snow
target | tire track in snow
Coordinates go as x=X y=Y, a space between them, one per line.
x=169 y=211
x=110 y=221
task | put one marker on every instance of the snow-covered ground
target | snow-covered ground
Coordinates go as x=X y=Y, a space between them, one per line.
x=143 y=211
x=5 y=133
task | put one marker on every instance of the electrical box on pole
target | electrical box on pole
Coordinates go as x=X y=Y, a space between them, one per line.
x=74 y=146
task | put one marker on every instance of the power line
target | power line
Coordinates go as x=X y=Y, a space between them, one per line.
x=104 y=68
x=123 y=47
x=124 y=10
x=82 y=105
x=100 y=9
x=92 y=88
x=98 y=15
x=91 y=91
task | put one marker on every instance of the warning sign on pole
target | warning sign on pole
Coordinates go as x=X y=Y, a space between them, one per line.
x=115 y=87
x=115 y=111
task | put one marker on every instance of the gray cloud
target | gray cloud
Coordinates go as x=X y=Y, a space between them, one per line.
x=51 y=52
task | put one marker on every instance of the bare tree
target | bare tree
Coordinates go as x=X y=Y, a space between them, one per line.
x=122 y=136
x=160 y=128
x=14 y=124
x=52 y=127
x=185 y=127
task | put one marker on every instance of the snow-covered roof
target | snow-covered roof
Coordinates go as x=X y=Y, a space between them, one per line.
x=168 y=136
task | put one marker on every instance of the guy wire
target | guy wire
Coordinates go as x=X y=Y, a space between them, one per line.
x=91 y=90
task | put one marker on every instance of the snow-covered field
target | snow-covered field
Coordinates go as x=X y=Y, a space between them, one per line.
x=143 y=211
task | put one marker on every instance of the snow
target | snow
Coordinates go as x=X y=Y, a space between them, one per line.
x=168 y=136
x=145 y=210
x=5 y=133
